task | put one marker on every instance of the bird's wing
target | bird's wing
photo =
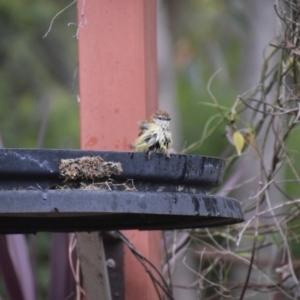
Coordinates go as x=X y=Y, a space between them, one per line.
x=147 y=138
x=150 y=138
x=143 y=126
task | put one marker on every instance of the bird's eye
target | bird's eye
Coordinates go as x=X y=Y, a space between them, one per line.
x=163 y=118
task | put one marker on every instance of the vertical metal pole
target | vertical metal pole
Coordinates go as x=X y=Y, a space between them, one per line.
x=118 y=87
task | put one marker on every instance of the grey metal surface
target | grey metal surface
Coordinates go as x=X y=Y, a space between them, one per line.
x=21 y=168
x=169 y=193
x=31 y=211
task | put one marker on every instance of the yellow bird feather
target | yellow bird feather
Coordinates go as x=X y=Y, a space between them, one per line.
x=155 y=134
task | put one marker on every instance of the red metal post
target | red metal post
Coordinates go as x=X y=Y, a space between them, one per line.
x=118 y=87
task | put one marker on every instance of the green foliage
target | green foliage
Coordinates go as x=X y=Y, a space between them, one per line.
x=36 y=75
x=291 y=185
x=207 y=37
x=41 y=242
x=196 y=115
x=38 y=105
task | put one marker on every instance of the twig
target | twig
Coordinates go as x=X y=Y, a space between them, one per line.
x=53 y=19
x=168 y=261
x=142 y=259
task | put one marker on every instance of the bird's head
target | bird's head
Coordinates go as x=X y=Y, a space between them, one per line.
x=161 y=118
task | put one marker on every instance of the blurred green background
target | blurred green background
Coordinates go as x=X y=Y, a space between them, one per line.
x=38 y=83
x=38 y=94
x=38 y=77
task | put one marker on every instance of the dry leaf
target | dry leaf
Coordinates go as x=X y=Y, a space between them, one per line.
x=238 y=141
x=250 y=139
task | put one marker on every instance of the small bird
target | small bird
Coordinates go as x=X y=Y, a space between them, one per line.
x=155 y=134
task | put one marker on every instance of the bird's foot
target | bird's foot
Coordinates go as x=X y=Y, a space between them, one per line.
x=148 y=154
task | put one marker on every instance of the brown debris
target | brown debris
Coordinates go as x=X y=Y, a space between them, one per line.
x=109 y=185
x=88 y=168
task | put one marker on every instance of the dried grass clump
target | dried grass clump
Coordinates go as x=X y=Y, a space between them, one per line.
x=108 y=185
x=88 y=168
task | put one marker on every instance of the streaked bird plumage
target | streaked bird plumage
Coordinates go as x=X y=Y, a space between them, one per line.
x=155 y=134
